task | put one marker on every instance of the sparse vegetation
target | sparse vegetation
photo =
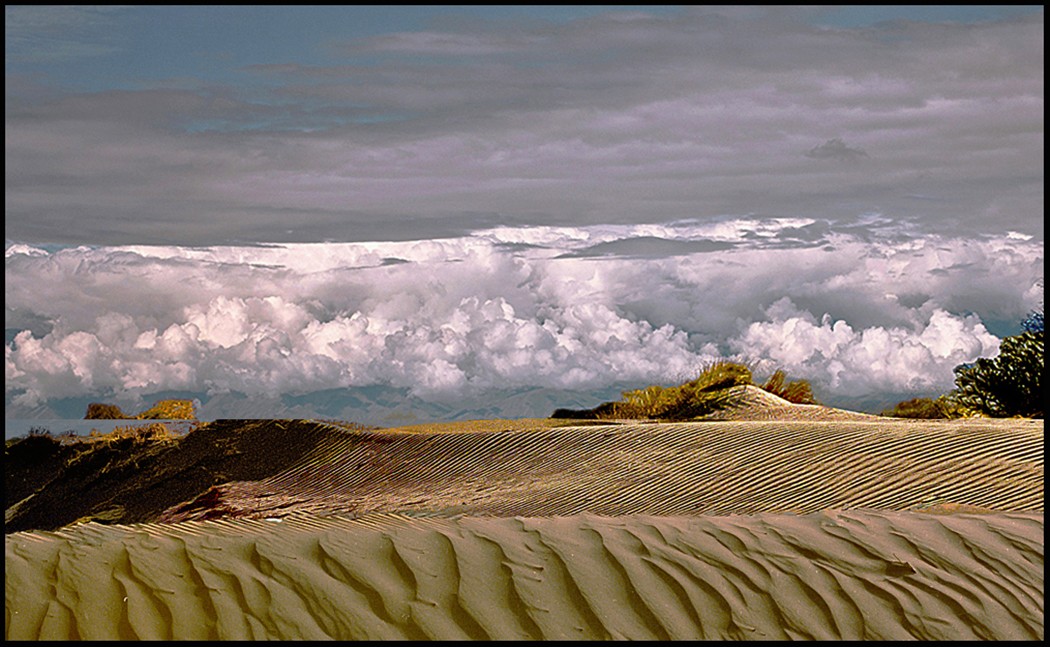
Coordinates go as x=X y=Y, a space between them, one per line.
x=1008 y=385
x=170 y=410
x=102 y=411
x=797 y=391
x=122 y=440
x=923 y=408
x=162 y=410
x=153 y=431
x=708 y=392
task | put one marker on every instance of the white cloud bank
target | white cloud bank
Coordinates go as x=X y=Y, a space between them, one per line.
x=510 y=308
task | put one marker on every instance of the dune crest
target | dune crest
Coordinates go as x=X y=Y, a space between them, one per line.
x=690 y=468
x=749 y=402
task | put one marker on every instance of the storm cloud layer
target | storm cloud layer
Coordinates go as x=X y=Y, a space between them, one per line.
x=621 y=117
x=509 y=308
x=451 y=201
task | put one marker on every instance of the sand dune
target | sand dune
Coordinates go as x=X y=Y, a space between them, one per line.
x=753 y=403
x=805 y=527
x=666 y=469
x=842 y=575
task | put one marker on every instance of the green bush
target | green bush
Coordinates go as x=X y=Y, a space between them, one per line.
x=924 y=408
x=1008 y=385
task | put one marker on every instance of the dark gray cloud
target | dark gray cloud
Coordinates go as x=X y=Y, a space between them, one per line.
x=56 y=33
x=618 y=118
x=836 y=149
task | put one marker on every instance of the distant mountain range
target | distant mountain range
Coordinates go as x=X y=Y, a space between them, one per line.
x=383 y=406
x=387 y=406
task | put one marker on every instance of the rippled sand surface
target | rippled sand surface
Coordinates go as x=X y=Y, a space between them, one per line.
x=689 y=468
x=794 y=526
x=836 y=575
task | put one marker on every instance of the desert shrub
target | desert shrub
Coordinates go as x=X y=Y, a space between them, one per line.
x=170 y=410
x=641 y=403
x=953 y=408
x=1007 y=385
x=102 y=411
x=699 y=396
x=162 y=410
x=711 y=390
x=925 y=408
x=797 y=391
x=722 y=374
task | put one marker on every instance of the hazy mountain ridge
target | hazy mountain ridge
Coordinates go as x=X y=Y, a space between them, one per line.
x=372 y=405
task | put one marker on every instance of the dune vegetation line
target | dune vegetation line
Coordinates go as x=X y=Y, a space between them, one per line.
x=1006 y=386
x=712 y=390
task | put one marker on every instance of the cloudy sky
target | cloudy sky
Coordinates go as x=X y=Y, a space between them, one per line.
x=276 y=201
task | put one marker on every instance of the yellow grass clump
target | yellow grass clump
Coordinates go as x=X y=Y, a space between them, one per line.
x=162 y=410
x=706 y=393
x=150 y=432
x=169 y=410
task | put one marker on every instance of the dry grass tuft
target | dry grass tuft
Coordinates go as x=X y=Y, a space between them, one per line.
x=944 y=407
x=161 y=410
x=797 y=391
x=150 y=432
x=170 y=410
x=708 y=392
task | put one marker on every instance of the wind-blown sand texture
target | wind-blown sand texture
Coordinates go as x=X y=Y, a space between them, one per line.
x=661 y=469
x=842 y=575
x=525 y=529
x=752 y=403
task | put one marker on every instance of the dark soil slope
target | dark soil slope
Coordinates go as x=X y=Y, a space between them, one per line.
x=49 y=484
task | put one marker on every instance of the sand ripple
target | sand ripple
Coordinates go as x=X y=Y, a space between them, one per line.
x=667 y=469
x=833 y=575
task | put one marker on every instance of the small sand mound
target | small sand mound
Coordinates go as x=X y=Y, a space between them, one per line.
x=753 y=403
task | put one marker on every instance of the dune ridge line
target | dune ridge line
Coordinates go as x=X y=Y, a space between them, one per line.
x=741 y=467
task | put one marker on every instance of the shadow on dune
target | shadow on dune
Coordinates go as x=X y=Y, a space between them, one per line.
x=49 y=484
x=768 y=456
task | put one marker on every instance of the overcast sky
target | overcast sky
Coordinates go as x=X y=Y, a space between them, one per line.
x=200 y=125
x=536 y=196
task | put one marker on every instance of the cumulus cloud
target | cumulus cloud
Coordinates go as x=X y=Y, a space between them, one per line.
x=845 y=361
x=510 y=308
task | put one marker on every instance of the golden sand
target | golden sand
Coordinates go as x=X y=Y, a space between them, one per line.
x=809 y=525
x=845 y=575
x=689 y=468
